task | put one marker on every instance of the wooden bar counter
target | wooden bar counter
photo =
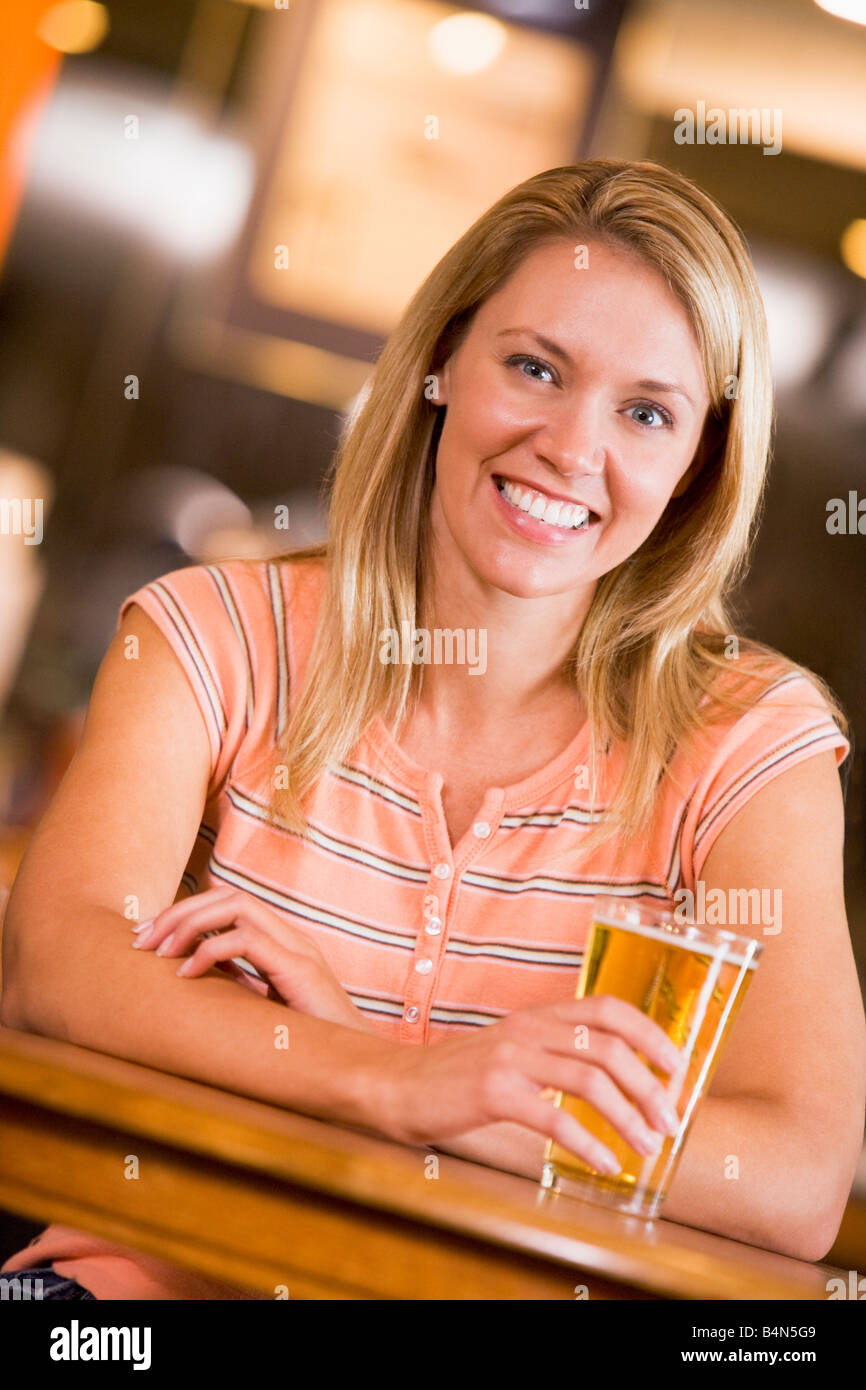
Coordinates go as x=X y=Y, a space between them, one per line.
x=261 y=1197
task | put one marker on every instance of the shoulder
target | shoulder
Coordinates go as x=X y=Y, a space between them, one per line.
x=766 y=716
x=764 y=697
x=246 y=596
x=241 y=631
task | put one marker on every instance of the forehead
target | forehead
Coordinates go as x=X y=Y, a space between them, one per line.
x=616 y=302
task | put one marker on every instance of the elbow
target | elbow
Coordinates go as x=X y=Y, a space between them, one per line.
x=10 y=1002
x=818 y=1237
x=16 y=1009
x=24 y=986
x=809 y=1239
x=10 y=974
x=17 y=1012
x=824 y=1234
x=819 y=1230
x=10 y=1008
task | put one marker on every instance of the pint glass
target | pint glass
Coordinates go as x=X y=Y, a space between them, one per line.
x=691 y=980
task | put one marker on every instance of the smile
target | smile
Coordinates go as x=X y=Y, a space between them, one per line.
x=551 y=511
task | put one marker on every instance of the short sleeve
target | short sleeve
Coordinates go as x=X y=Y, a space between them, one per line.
x=196 y=610
x=789 y=723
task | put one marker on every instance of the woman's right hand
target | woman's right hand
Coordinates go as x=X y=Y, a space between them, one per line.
x=585 y=1047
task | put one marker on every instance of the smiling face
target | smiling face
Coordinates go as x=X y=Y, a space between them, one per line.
x=575 y=385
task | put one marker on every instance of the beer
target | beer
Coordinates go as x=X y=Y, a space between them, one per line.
x=691 y=981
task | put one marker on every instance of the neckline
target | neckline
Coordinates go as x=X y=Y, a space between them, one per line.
x=517 y=794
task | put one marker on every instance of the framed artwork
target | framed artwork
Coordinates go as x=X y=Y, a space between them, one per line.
x=381 y=130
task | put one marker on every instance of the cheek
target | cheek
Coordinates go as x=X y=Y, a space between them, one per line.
x=644 y=484
x=484 y=414
x=638 y=492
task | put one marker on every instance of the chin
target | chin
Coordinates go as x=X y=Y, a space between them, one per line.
x=522 y=576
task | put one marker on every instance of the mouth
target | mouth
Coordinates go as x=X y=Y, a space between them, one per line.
x=552 y=513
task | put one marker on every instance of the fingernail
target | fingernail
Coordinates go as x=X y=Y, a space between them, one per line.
x=670 y=1119
x=143 y=926
x=183 y=969
x=610 y=1165
x=165 y=946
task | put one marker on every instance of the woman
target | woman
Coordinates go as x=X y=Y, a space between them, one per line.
x=561 y=457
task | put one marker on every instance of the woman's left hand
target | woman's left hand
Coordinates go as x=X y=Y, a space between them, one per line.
x=295 y=971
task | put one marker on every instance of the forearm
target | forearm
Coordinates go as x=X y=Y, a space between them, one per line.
x=746 y=1172
x=749 y=1171
x=87 y=986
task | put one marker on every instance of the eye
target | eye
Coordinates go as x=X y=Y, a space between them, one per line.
x=521 y=359
x=644 y=409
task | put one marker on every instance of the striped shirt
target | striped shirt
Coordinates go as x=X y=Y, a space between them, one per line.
x=426 y=938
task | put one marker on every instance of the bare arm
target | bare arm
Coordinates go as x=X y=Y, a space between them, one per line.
x=121 y=828
x=774 y=1147
x=118 y=835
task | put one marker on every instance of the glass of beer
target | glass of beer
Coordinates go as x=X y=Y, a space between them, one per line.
x=691 y=980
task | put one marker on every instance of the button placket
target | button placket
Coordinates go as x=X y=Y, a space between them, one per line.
x=430 y=914
x=445 y=874
x=429 y=946
x=421 y=970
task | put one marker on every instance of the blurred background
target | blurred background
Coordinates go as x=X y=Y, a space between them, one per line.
x=212 y=213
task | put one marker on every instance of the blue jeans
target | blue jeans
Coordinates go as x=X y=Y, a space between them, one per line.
x=54 y=1285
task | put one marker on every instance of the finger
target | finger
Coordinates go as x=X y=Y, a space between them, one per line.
x=205 y=912
x=641 y=1125
x=285 y=971
x=200 y=918
x=242 y=977
x=652 y=1099
x=610 y=1054
x=162 y=924
x=201 y=913
x=526 y=1106
x=611 y=1015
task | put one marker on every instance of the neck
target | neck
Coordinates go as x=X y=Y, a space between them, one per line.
x=524 y=641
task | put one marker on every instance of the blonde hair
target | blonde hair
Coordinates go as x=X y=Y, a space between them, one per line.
x=653 y=643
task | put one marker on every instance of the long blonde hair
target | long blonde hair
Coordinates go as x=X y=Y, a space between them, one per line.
x=657 y=634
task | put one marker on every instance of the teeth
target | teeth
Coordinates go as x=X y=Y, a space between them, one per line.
x=569 y=516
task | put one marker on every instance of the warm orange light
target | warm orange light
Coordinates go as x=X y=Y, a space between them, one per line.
x=853 y=246
x=466 y=43
x=76 y=26
x=27 y=84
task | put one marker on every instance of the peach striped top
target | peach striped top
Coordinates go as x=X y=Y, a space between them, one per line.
x=427 y=938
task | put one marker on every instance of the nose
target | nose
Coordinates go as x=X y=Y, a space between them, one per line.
x=571 y=441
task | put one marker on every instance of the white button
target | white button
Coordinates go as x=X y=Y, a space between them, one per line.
x=412 y=1014
x=433 y=926
x=442 y=870
x=481 y=829
x=424 y=965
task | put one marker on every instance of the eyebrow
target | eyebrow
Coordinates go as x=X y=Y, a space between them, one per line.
x=668 y=387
